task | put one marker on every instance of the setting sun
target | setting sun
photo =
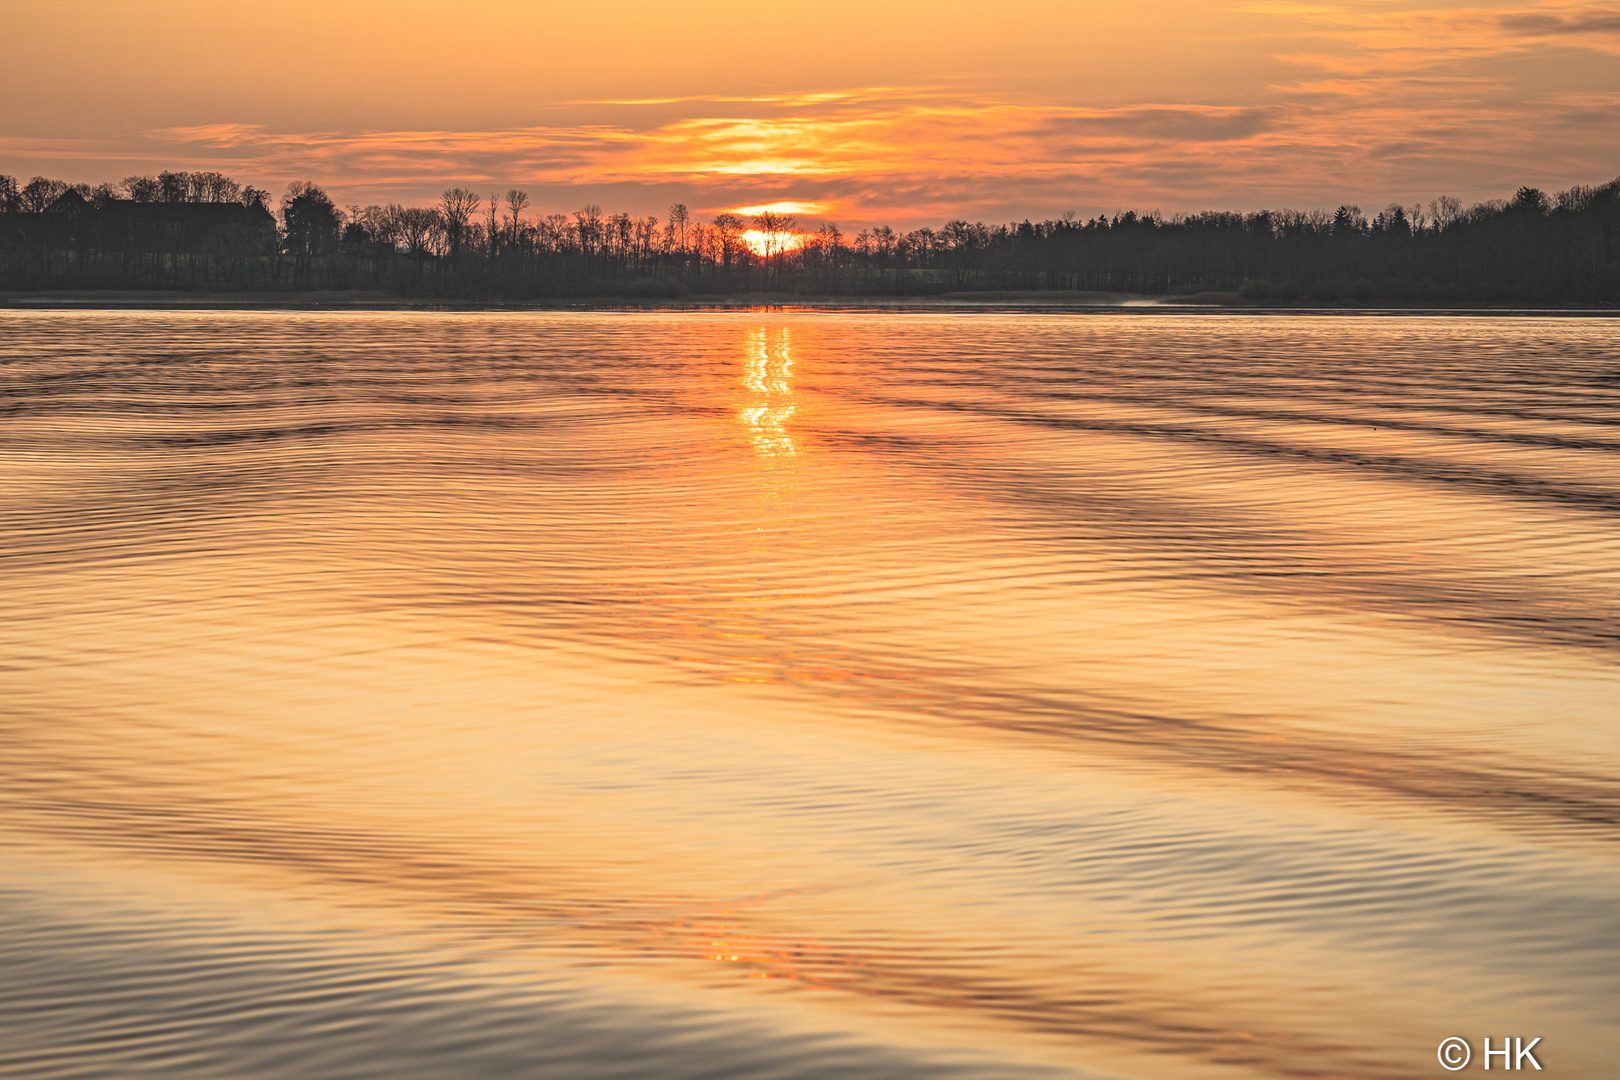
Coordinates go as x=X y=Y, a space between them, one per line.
x=765 y=244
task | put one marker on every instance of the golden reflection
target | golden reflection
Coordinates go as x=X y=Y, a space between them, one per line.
x=768 y=375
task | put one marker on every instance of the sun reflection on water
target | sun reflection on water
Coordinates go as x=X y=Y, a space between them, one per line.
x=768 y=375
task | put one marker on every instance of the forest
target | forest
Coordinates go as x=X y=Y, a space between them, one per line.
x=206 y=231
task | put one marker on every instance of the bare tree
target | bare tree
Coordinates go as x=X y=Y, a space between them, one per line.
x=456 y=209
x=588 y=228
x=829 y=245
x=882 y=243
x=777 y=232
x=174 y=186
x=141 y=189
x=620 y=230
x=705 y=244
x=919 y=245
x=679 y=220
x=419 y=228
x=557 y=235
x=959 y=235
x=646 y=236
x=728 y=232
x=1445 y=211
x=381 y=223
x=211 y=187
x=516 y=202
x=40 y=192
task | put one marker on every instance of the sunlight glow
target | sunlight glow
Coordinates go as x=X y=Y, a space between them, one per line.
x=761 y=244
x=785 y=206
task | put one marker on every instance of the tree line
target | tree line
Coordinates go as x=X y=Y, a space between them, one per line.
x=204 y=230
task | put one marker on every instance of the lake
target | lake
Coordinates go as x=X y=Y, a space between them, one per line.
x=807 y=694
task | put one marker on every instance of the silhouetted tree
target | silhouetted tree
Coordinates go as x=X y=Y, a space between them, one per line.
x=589 y=228
x=311 y=224
x=141 y=189
x=728 y=235
x=173 y=186
x=40 y=192
x=1530 y=200
x=456 y=209
x=516 y=202
x=776 y=232
x=680 y=219
x=420 y=229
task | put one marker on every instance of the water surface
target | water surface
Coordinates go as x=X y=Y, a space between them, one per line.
x=806 y=694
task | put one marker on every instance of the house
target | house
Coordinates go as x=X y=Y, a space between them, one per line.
x=69 y=202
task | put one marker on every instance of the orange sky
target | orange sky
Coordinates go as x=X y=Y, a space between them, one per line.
x=907 y=112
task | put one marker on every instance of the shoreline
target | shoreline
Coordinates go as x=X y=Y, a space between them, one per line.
x=981 y=302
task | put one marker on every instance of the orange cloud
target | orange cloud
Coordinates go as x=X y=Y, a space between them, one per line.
x=785 y=206
x=1391 y=104
x=1395 y=39
x=1031 y=109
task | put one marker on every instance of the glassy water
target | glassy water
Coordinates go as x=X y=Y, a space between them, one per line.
x=806 y=694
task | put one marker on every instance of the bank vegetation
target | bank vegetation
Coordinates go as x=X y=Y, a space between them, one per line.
x=206 y=231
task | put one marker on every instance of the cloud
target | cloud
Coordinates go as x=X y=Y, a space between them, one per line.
x=1395 y=38
x=222 y=136
x=1598 y=20
x=1176 y=123
x=1363 y=123
x=785 y=206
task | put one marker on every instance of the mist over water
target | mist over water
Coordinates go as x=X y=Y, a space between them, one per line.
x=806 y=694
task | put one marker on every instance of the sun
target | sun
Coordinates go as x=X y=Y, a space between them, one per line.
x=760 y=243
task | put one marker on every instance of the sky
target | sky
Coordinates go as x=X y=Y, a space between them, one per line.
x=854 y=111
